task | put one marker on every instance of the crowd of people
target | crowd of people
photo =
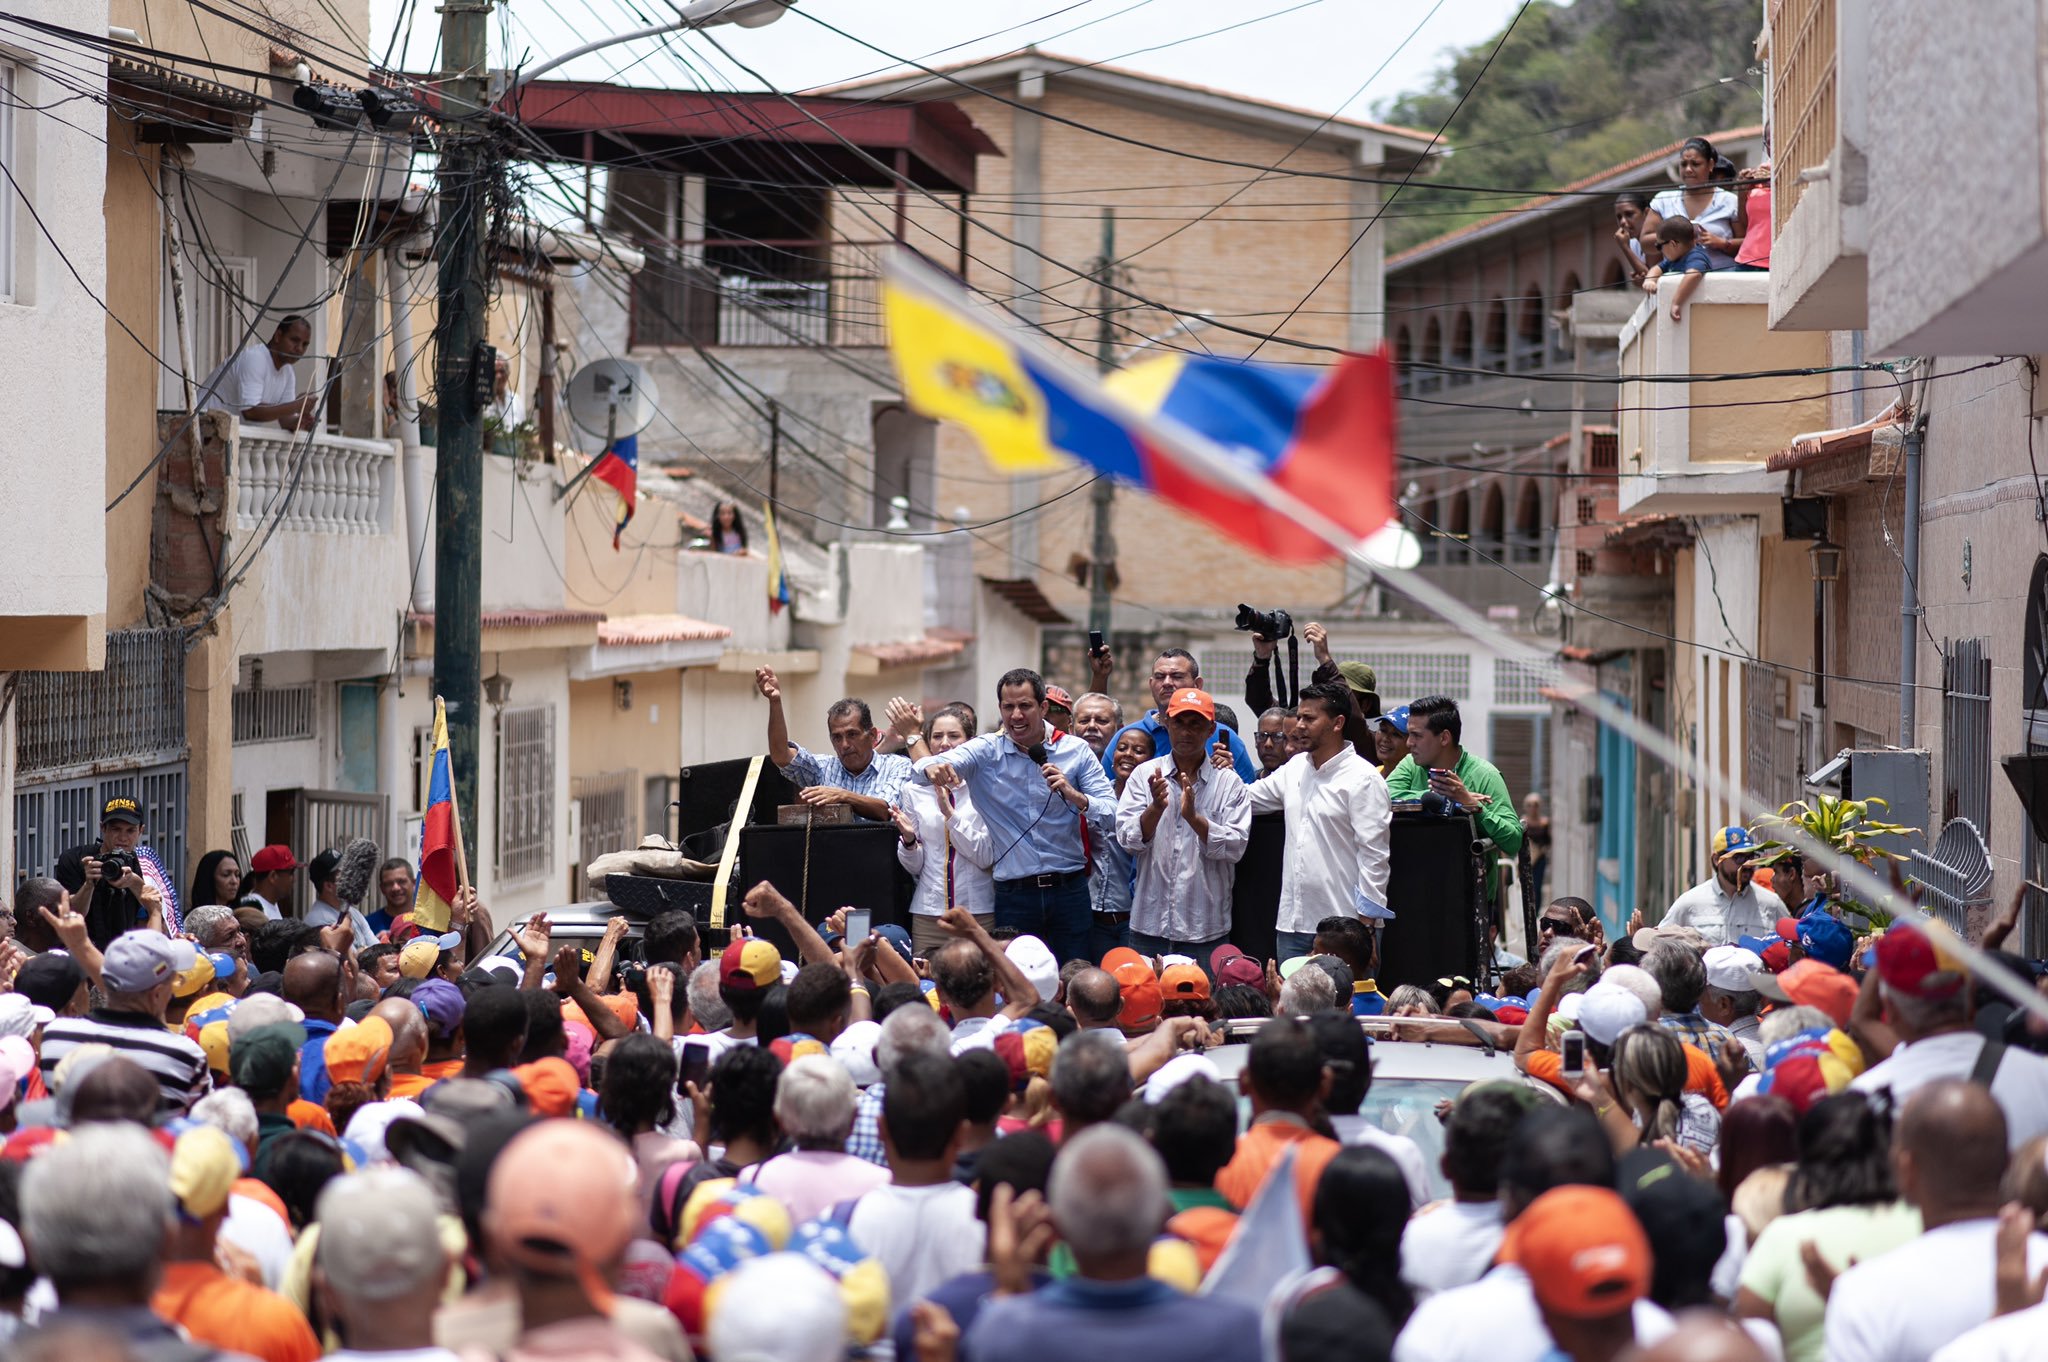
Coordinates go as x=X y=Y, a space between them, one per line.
x=1060 y=1110
x=1715 y=218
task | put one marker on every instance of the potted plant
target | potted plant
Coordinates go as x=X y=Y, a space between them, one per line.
x=1847 y=827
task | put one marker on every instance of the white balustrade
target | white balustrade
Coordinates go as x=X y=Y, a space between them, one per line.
x=320 y=484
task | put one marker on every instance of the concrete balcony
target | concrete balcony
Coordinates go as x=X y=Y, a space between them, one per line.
x=1700 y=448
x=1820 y=181
x=331 y=574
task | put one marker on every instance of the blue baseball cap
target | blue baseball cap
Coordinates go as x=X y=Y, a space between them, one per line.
x=1732 y=839
x=1395 y=718
x=1826 y=940
x=898 y=938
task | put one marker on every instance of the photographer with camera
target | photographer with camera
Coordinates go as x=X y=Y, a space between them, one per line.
x=1358 y=680
x=1177 y=670
x=124 y=884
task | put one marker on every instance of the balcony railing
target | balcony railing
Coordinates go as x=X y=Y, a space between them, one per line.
x=759 y=293
x=1700 y=449
x=326 y=484
x=1803 y=48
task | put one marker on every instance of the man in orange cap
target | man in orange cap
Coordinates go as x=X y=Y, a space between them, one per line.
x=559 y=1212
x=1185 y=823
x=1588 y=1262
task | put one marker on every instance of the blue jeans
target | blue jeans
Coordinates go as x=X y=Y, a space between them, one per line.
x=1144 y=943
x=1107 y=931
x=1287 y=945
x=1058 y=915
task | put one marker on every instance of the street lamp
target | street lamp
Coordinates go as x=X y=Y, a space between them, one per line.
x=700 y=14
x=1827 y=560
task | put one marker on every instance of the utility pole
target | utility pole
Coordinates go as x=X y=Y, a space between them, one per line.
x=462 y=369
x=1102 y=496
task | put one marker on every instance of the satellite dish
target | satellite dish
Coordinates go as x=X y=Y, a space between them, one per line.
x=610 y=398
x=1392 y=545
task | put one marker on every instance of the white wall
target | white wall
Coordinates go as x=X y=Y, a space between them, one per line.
x=522 y=537
x=53 y=345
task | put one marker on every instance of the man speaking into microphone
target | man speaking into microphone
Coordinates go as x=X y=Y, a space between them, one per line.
x=1044 y=797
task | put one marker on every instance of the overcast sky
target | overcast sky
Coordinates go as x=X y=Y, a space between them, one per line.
x=1312 y=53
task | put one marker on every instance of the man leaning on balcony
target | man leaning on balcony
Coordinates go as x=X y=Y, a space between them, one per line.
x=258 y=384
x=854 y=774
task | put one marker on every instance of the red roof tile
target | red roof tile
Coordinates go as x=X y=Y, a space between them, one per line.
x=627 y=630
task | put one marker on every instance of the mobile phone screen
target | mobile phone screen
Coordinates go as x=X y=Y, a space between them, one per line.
x=1574 y=1053
x=858 y=923
x=696 y=1065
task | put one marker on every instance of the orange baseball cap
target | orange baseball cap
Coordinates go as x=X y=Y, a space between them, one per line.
x=1142 y=997
x=1199 y=701
x=1184 y=981
x=561 y=1202
x=1584 y=1250
x=356 y=1054
x=1124 y=955
x=550 y=1085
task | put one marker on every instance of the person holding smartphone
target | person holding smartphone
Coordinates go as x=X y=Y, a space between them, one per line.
x=940 y=838
x=1437 y=763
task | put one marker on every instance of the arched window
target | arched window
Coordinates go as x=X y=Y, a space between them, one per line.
x=1527 y=544
x=1561 y=306
x=1461 y=349
x=1424 y=522
x=1403 y=357
x=1457 y=525
x=1493 y=351
x=1492 y=520
x=1529 y=327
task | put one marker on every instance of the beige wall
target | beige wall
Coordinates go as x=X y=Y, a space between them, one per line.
x=134 y=299
x=645 y=739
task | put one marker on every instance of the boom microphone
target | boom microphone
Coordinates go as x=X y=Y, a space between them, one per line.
x=358 y=864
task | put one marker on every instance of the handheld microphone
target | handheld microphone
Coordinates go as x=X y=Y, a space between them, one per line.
x=1037 y=753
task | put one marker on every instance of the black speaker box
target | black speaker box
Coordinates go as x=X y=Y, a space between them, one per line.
x=850 y=867
x=708 y=795
x=1433 y=891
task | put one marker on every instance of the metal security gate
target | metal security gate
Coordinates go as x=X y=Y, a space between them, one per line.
x=313 y=821
x=606 y=801
x=1966 y=732
x=83 y=738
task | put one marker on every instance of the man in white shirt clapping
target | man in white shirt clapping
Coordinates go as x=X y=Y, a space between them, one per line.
x=1185 y=821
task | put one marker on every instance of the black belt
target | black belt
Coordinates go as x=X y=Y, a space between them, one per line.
x=1124 y=916
x=1051 y=881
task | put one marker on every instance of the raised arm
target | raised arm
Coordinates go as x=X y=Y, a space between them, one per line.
x=1020 y=995
x=765 y=901
x=778 y=727
x=1535 y=1029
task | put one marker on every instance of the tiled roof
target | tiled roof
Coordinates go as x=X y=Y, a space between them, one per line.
x=521 y=619
x=626 y=630
x=915 y=653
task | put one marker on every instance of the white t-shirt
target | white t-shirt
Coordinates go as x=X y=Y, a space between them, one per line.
x=2020 y=1085
x=923 y=1235
x=255 y=1229
x=1407 y=1156
x=978 y=1033
x=1450 y=1244
x=1902 y=1305
x=1496 y=1320
x=1718 y=219
x=2019 y=1337
x=248 y=379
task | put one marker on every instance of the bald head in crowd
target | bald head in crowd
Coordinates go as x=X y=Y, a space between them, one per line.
x=312 y=982
x=1949 y=1151
x=1094 y=998
x=408 y=1033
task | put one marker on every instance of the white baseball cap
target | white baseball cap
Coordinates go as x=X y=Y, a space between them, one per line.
x=854 y=1048
x=1035 y=959
x=1610 y=1010
x=1729 y=968
x=1177 y=1071
x=20 y=1017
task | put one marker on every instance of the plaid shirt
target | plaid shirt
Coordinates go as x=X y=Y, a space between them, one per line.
x=866 y=1140
x=882 y=778
x=1705 y=1036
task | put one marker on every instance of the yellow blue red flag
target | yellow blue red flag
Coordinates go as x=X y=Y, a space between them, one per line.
x=436 y=884
x=1201 y=433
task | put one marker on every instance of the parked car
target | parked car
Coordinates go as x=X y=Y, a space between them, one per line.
x=1410 y=1078
x=581 y=924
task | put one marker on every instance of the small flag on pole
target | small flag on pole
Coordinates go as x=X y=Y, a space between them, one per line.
x=438 y=880
x=1221 y=440
x=619 y=469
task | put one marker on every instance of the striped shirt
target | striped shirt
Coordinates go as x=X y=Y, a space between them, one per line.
x=882 y=778
x=176 y=1063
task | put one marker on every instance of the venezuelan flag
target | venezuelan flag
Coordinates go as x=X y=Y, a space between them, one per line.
x=435 y=886
x=778 y=576
x=619 y=469
x=1215 y=437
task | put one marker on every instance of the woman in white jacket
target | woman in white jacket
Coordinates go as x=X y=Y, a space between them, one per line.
x=940 y=838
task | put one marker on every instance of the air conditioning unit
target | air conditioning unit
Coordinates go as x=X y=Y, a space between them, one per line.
x=1902 y=778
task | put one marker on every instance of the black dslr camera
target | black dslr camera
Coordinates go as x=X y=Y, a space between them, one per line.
x=1271 y=624
x=117 y=862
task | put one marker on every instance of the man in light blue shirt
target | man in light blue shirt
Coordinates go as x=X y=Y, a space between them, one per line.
x=855 y=774
x=1045 y=800
x=1177 y=670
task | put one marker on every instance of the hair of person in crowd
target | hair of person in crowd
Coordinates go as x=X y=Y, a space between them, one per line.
x=1347 y=1060
x=707 y=1000
x=1091 y=1078
x=95 y=1211
x=1756 y=1132
x=1194 y=1128
x=1677 y=230
x=1410 y=1000
x=638 y=1092
x=814 y=1102
x=1477 y=1130
x=1361 y=1207
x=1350 y=940
x=924 y=1108
x=1108 y=1193
x=1554 y=1147
x=1681 y=976
x=743 y=1086
x=1240 y=1002
x=1438 y=713
x=1648 y=1071
x=1021 y=676
x=1307 y=991
x=670 y=938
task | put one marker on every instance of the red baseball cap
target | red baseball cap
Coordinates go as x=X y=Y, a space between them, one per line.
x=1908 y=962
x=273 y=857
x=1230 y=965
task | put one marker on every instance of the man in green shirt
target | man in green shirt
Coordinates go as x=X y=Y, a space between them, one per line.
x=1437 y=762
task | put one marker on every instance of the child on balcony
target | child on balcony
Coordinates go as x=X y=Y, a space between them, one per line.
x=1679 y=245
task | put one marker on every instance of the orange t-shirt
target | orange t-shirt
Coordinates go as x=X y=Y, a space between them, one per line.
x=310 y=1116
x=1207 y=1229
x=215 y=1308
x=1700 y=1075
x=410 y=1085
x=442 y=1068
x=1259 y=1148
